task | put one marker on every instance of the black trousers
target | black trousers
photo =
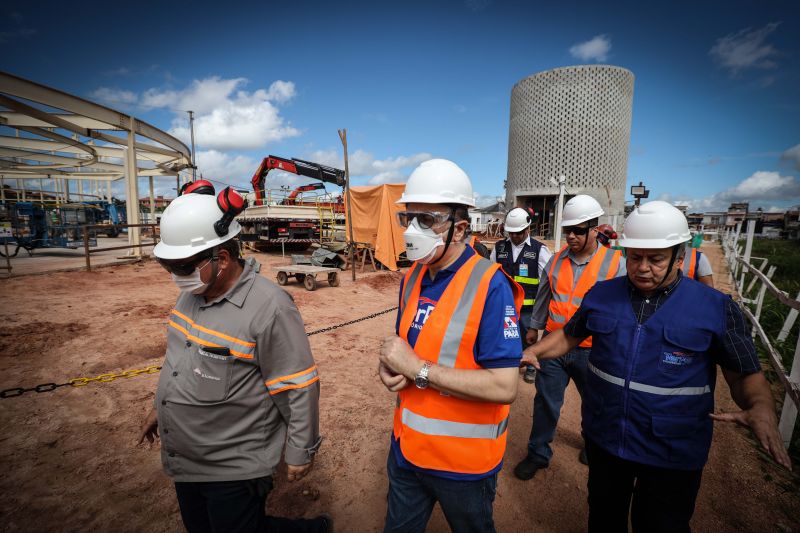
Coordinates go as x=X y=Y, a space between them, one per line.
x=234 y=507
x=662 y=499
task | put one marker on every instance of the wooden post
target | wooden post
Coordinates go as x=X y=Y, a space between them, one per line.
x=760 y=297
x=751 y=230
x=86 y=247
x=789 y=322
x=343 y=137
x=755 y=278
x=789 y=410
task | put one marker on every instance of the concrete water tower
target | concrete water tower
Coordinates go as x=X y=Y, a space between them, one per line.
x=573 y=122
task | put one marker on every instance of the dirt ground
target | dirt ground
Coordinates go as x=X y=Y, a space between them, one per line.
x=70 y=460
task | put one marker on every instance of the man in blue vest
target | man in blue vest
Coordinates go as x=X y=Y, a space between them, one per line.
x=648 y=407
x=522 y=258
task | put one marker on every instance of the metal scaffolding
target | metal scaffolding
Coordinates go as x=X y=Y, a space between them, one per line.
x=61 y=137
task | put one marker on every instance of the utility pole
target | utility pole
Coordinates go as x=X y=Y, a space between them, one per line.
x=343 y=137
x=191 y=130
x=559 y=208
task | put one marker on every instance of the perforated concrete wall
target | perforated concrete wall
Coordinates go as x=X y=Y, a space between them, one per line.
x=575 y=122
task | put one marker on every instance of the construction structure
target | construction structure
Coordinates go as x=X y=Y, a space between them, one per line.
x=573 y=122
x=47 y=135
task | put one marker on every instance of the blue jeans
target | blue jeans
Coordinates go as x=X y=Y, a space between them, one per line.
x=467 y=505
x=551 y=382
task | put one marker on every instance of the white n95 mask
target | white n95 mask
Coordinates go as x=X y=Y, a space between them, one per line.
x=191 y=283
x=421 y=244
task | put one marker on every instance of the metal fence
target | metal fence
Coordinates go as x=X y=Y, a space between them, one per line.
x=741 y=268
x=89 y=251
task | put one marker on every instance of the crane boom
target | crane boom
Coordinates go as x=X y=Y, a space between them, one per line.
x=295 y=166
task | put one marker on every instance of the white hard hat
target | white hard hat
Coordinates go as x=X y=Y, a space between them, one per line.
x=517 y=220
x=438 y=181
x=187 y=227
x=580 y=209
x=655 y=225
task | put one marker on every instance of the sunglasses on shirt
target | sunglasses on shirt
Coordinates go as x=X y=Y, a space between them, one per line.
x=182 y=268
x=577 y=230
x=425 y=219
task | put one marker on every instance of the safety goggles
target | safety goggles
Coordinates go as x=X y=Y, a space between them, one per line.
x=577 y=230
x=183 y=268
x=425 y=219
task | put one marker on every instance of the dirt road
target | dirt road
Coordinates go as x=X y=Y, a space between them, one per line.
x=70 y=460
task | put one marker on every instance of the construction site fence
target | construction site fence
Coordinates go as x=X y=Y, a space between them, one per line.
x=744 y=275
x=89 y=251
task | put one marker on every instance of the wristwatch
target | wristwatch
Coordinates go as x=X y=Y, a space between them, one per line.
x=421 y=381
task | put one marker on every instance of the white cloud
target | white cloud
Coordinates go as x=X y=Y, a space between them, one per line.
x=595 y=49
x=114 y=96
x=230 y=169
x=759 y=188
x=745 y=49
x=364 y=164
x=792 y=155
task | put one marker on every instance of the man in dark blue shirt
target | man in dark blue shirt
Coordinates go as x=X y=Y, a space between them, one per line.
x=648 y=409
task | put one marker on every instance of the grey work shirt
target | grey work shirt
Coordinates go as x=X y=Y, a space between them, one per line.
x=544 y=294
x=227 y=417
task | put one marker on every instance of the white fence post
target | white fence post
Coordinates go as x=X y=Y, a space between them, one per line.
x=789 y=410
x=789 y=322
x=755 y=278
x=760 y=298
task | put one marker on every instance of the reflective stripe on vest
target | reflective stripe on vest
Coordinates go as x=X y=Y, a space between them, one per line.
x=446 y=428
x=641 y=387
x=442 y=432
x=567 y=294
x=527 y=281
x=690 y=262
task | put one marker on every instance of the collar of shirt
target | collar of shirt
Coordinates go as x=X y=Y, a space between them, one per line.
x=519 y=246
x=237 y=294
x=663 y=291
x=451 y=269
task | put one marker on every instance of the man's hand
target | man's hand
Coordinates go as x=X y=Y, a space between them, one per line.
x=295 y=472
x=763 y=423
x=531 y=336
x=150 y=428
x=529 y=358
x=393 y=381
x=398 y=357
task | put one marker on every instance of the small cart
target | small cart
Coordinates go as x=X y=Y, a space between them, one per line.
x=307 y=275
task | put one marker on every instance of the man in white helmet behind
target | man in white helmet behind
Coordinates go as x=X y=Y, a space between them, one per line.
x=239 y=386
x=648 y=406
x=522 y=258
x=566 y=278
x=453 y=362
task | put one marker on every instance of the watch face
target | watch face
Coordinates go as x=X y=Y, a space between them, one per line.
x=420 y=382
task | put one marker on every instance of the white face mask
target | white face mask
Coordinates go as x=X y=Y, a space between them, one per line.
x=192 y=283
x=421 y=244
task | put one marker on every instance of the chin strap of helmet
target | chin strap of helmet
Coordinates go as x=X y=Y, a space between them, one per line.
x=452 y=220
x=671 y=263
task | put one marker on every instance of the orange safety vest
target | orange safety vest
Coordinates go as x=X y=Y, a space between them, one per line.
x=690 y=262
x=565 y=299
x=436 y=430
x=471 y=242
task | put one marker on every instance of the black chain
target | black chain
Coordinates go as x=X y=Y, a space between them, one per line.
x=77 y=382
x=331 y=328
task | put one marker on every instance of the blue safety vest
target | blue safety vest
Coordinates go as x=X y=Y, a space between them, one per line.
x=650 y=386
x=525 y=270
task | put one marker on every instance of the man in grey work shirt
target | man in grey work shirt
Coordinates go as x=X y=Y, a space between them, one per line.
x=239 y=385
x=577 y=267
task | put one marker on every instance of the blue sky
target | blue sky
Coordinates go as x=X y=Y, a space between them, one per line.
x=716 y=112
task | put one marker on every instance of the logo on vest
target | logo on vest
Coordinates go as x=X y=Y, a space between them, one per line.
x=424 y=309
x=677 y=359
x=510 y=328
x=204 y=375
x=529 y=255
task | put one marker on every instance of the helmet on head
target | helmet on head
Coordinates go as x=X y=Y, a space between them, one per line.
x=188 y=225
x=655 y=225
x=517 y=220
x=438 y=181
x=580 y=209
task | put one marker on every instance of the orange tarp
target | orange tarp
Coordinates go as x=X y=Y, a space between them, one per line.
x=373 y=210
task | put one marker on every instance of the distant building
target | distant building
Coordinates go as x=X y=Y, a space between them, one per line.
x=160 y=202
x=714 y=220
x=737 y=212
x=573 y=122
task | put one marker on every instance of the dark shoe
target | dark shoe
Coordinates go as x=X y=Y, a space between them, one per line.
x=582 y=457
x=528 y=467
x=327 y=523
